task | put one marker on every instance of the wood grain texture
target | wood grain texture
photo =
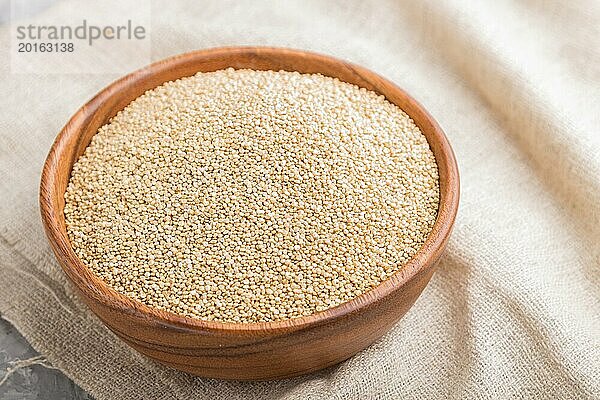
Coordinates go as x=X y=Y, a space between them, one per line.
x=246 y=351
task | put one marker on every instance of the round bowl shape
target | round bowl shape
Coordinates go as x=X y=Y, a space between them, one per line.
x=245 y=351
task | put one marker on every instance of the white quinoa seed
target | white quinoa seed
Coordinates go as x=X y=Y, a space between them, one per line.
x=252 y=196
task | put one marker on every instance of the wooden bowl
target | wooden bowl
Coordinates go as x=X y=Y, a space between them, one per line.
x=245 y=351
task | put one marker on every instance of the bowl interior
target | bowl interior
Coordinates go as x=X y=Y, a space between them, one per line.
x=77 y=134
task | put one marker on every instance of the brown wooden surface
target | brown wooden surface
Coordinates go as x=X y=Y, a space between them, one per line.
x=259 y=350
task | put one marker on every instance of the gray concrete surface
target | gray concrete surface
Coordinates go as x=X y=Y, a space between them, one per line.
x=31 y=382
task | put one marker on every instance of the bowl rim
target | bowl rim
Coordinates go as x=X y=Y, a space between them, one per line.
x=95 y=288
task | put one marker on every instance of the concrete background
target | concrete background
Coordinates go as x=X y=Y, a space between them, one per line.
x=35 y=382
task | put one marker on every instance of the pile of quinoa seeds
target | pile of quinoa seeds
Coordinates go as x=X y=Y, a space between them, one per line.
x=252 y=196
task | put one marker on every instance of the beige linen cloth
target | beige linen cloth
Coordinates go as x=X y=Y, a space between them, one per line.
x=514 y=308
